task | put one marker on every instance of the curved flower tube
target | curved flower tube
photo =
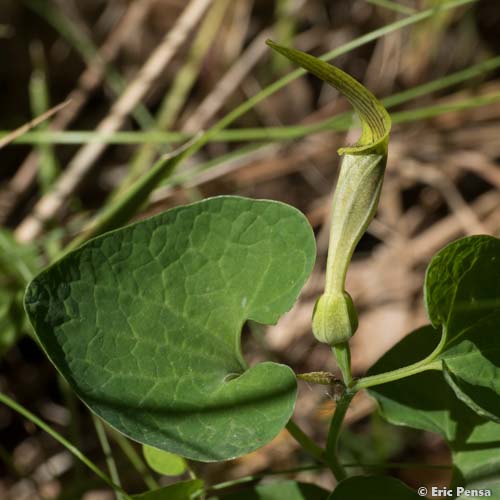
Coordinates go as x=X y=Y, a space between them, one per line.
x=356 y=196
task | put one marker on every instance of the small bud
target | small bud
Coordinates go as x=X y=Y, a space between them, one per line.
x=334 y=318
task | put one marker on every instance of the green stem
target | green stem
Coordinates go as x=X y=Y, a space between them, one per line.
x=72 y=449
x=305 y=441
x=406 y=371
x=428 y=363
x=396 y=7
x=108 y=454
x=71 y=402
x=397 y=465
x=134 y=458
x=284 y=30
x=340 y=122
x=256 y=477
x=333 y=436
x=48 y=168
x=343 y=355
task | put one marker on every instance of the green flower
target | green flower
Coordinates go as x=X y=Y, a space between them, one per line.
x=356 y=196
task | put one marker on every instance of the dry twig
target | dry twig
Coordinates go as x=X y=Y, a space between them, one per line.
x=12 y=136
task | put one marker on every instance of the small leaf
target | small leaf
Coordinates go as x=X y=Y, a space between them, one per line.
x=425 y=401
x=289 y=490
x=184 y=490
x=144 y=322
x=373 y=488
x=164 y=462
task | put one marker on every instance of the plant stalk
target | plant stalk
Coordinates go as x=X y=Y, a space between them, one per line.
x=108 y=454
x=134 y=458
x=428 y=363
x=406 y=371
x=333 y=436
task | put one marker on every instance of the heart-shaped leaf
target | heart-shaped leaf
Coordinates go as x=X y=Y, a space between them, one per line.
x=373 y=488
x=290 y=490
x=145 y=322
x=425 y=401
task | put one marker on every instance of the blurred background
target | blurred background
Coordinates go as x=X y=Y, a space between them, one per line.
x=144 y=76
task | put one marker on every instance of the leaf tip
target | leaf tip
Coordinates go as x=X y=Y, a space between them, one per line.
x=272 y=44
